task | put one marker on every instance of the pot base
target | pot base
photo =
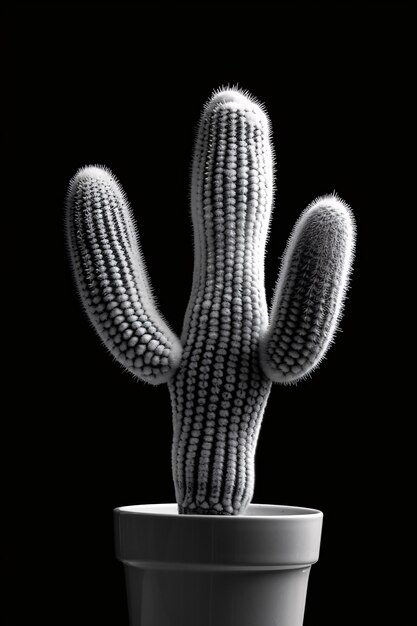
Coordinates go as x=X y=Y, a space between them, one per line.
x=216 y=598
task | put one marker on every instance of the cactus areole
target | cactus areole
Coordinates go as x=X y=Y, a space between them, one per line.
x=220 y=371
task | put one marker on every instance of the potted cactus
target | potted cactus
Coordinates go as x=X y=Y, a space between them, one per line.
x=214 y=558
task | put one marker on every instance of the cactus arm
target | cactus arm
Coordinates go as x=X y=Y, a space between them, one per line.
x=219 y=392
x=111 y=277
x=310 y=291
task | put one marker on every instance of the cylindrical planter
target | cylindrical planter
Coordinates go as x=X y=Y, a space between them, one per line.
x=197 y=570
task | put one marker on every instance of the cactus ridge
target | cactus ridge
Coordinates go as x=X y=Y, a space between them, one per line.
x=220 y=373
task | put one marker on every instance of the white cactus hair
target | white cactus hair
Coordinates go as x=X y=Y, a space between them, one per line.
x=220 y=372
x=105 y=181
x=330 y=202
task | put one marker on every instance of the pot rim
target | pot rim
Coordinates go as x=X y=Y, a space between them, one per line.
x=270 y=511
x=284 y=537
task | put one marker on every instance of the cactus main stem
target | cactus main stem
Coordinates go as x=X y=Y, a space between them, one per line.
x=219 y=392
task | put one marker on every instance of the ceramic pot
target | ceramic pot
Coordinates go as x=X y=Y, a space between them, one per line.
x=197 y=570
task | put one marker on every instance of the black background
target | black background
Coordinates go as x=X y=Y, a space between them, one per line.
x=122 y=85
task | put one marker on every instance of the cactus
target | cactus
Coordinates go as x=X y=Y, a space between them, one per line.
x=221 y=371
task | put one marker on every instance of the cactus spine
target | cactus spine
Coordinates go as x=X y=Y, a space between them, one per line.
x=219 y=375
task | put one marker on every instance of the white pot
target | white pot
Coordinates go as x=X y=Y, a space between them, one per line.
x=203 y=570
